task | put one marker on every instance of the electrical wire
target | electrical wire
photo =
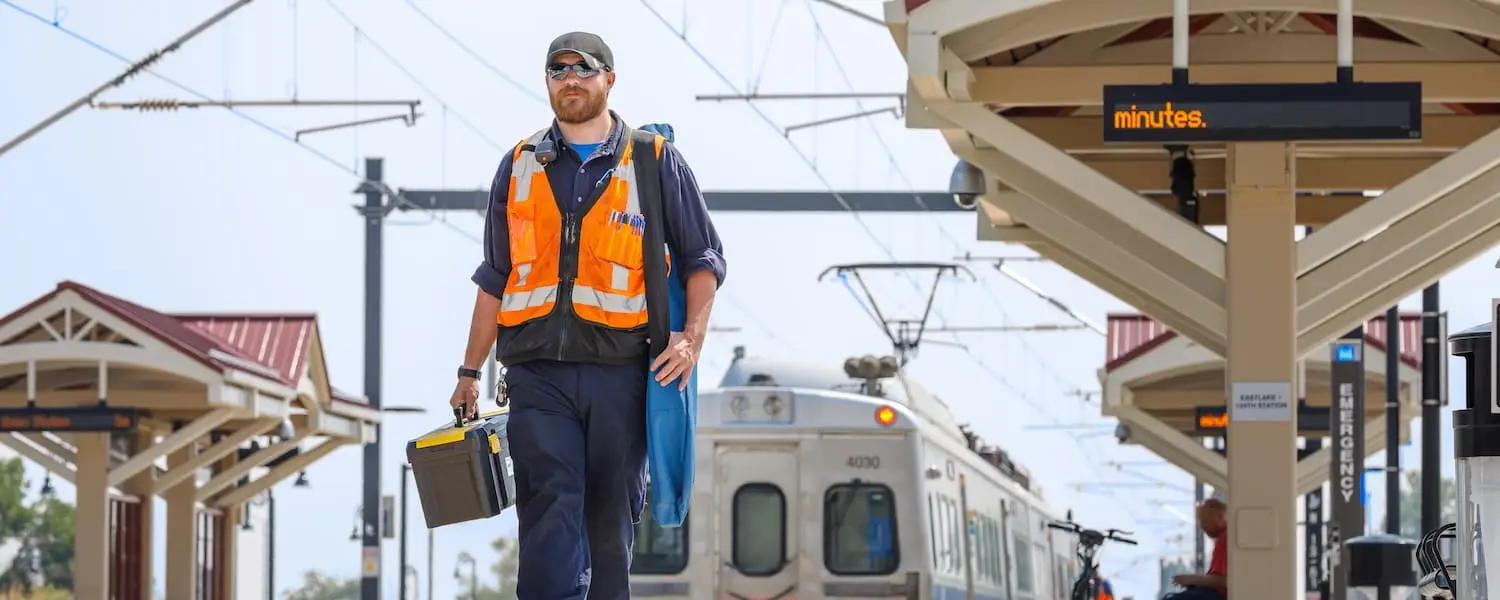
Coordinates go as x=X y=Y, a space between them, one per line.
x=412 y=76
x=326 y=158
x=528 y=92
x=1093 y=461
x=822 y=37
x=323 y=156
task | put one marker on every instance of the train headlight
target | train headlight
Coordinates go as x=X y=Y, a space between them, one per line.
x=774 y=405
x=885 y=416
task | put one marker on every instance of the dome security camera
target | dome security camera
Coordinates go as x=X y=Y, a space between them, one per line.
x=1122 y=433
x=966 y=184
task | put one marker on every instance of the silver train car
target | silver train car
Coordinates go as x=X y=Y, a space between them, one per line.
x=812 y=484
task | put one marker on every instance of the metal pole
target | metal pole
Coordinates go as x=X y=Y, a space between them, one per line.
x=1198 y=495
x=135 y=68
x=429 y=563
x=405 y=470
x=1392 y=420
x=1345 y=32
x=271 y=544
x=1180 y=34
x=374 y=214
x=492 y=375
x=1432 y=386
x=1312 y=535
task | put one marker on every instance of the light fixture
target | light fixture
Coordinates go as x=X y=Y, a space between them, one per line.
x=885 y=416
x=47 y=489
x=773 y=405
x=301 y=481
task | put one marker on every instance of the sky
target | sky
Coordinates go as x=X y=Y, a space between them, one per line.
x=207 y=210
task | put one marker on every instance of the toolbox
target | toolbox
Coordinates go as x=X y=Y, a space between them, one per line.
x=463 y=470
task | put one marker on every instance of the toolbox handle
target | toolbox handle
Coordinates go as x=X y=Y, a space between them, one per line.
x=458 y=416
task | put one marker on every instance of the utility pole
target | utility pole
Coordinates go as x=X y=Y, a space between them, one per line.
x=1432 y=400
x=374 y=212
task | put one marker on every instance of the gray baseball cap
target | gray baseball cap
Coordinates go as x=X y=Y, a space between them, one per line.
x=596 y=54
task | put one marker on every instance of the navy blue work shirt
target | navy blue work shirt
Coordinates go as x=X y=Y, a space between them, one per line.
x=690 y=233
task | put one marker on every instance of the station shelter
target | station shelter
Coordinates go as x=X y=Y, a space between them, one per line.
x=1108 y=136
x=1169 y=394
x=204 y=411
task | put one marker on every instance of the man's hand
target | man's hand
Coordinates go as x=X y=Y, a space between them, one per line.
x=1188 y=580
x=466 y=396
x=678 y=361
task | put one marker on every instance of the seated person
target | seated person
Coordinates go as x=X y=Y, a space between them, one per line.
x=1103 y=590
x=1213 y=584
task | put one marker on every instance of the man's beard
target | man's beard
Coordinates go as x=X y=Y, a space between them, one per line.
x=577 y=108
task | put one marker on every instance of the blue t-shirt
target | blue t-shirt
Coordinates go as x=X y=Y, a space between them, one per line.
x=585 y=150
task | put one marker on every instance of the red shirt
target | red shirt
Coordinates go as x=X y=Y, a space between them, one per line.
x=1219 y=564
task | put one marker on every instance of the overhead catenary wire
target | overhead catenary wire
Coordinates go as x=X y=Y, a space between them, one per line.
x=136 y=67
x=899 y=171
x=323 y=156
x=812 y=164
x=526 y=91
x=360 y=32
x=869 y=232
x=331 y=161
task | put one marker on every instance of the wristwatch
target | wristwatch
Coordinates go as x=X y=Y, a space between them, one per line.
x=467 y=372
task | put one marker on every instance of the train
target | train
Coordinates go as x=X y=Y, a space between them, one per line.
x=813 y=482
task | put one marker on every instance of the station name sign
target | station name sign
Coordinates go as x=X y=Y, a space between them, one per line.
x=100 y=418
x=1214 y=420
x=1179 y=114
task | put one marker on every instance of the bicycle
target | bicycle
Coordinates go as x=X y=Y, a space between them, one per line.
x=1089 y=542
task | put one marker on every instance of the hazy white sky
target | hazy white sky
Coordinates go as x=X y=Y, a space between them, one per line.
x=202 y=210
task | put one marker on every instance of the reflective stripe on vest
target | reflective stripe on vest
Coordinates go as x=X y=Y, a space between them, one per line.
x=609 y=288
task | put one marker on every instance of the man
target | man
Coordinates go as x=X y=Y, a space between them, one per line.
x=1213 y=584
x=565 y=277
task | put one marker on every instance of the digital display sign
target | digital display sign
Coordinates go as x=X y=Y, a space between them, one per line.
x=67 y=419
x=1262 y=112
x=1214 y=420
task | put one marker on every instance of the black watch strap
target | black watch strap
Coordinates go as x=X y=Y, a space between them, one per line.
x=467 y=372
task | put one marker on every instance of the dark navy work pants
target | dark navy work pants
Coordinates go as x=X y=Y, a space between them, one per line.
x=578 y=438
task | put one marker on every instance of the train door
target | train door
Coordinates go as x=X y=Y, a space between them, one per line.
x=757 y=521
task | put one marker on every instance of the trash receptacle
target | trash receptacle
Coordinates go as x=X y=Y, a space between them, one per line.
x=1476 y=453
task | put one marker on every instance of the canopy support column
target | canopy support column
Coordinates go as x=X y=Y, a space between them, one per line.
x=1262 y=451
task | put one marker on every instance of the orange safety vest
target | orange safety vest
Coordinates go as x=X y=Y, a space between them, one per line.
x=608 y=288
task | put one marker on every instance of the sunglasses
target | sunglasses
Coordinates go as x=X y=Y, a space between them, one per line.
x=560 y=72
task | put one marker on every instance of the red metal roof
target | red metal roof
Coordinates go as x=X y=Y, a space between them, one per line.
x=275 y=346
x=1132 y=335
x=281 y=342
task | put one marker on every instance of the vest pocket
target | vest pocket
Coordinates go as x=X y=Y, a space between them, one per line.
x=521 y=221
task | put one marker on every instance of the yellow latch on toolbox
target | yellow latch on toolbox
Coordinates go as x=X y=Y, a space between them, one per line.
x=494 y=444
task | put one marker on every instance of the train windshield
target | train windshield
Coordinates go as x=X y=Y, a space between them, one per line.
x=658 y=550
x=859 y=535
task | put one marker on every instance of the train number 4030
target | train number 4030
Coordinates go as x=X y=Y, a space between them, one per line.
x=863 y=462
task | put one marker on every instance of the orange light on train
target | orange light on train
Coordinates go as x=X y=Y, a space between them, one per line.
x=885 y=416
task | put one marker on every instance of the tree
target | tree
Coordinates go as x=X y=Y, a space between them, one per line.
x=41 y=535
x=319 y=586
x=504 y=572
x=52 y=542
x=1411 y=503
x=16 y=522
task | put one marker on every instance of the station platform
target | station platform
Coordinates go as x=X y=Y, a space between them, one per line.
x=1106 y=135
x=204 y=411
